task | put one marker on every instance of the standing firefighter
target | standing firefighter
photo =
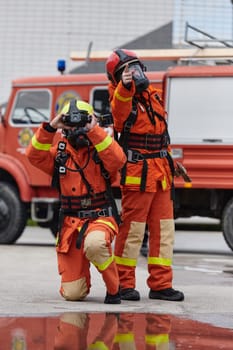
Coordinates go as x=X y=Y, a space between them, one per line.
x=146 y=179
x=82 y=165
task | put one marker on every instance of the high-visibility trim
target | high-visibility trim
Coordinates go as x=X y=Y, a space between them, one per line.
x=159 y=261
x=104 y=144
x=125 y=261
x=40 y=146
x=105 y=265
x=124 y=338
x=164 y=183
x=98 y=345
x=132 y=180
x=108 y=223
x=157 y=339
x=121 y=98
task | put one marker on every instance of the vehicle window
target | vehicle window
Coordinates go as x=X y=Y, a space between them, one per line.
x=31 y=107
x=100 y=101
x=200 y=109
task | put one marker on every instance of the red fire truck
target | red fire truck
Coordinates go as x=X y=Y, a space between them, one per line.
x=198 y=100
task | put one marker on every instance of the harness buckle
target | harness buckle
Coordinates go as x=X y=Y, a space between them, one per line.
x=127 y=126
x=62 y=170
x=163 y=153
x=134 y=156
x=86 y=202
x=83 y=214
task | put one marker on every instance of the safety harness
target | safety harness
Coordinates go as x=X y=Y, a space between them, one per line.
x=89 y=206
x=153 y=142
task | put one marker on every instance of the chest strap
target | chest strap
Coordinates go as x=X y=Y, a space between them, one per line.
x=151 y=142
x=97 y=200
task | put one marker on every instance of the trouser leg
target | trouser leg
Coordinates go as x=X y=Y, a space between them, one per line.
x=135 y=206
x=161 y=240
x=98 y=250
x=74 y=269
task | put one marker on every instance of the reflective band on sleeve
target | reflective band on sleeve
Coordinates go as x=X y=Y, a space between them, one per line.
x=157 y=339
x=104 y=144
x=106 y=264
x=124 y=338
x=121 y=98
x=132 y=180
x=40 y=146
x=159 y=261
x=108 y=223
x=125 y=261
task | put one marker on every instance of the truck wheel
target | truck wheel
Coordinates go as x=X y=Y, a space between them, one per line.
x=13 y=214
x=227 y=223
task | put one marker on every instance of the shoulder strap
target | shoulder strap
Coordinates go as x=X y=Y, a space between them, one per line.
x=106 y=177
x=130 y=121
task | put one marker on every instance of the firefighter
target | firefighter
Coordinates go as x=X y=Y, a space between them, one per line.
x=83 y=162
x=146 y=179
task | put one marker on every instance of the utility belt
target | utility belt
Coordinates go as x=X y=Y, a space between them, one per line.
x=88 y=214
x=83 y=214
x=150 y=142
x=134 y=156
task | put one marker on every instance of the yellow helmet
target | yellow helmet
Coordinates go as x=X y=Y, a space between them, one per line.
x=80 y=105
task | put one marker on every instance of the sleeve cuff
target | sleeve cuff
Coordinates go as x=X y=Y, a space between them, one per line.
x=48 y=127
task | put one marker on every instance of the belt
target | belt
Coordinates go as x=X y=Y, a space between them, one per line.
x=135 y=156
x=86 y=214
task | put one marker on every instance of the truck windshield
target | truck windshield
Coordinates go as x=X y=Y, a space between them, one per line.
x=31 y=107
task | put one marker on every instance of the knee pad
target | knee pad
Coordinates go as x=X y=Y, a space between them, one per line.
x=95 y=246
x=74 y=290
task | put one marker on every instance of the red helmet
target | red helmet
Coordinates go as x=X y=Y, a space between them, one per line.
x=117 y=60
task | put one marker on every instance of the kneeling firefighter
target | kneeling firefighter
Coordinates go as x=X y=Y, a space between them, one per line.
x=82 y=163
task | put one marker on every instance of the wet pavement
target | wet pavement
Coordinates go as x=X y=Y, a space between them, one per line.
x=34 y=316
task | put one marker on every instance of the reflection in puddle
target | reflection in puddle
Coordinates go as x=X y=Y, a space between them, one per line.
x=111 y=331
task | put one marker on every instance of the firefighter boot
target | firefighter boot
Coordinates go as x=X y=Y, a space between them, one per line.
x=112 y=298
x=129 y=294
x=166 y=294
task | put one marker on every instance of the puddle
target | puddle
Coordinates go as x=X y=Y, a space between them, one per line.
x=111 y=331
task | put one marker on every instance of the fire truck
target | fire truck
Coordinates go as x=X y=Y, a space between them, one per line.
x=198 y=100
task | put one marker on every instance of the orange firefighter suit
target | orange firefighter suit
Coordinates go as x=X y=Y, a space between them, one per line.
x=85 y=207
x=147 y=185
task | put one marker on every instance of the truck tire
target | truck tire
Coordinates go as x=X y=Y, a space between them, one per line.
x=13 y=214
x=227 y=223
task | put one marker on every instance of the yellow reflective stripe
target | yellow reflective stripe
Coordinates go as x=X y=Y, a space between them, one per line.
x=40 y=146
x=157 y=339
x=106 y=264
x=107 y=223
x=104 y=144
x=99 y=345
x=125 y=261
x=121 y=98
x=159 y=261
x=132 y=180
x=124 y=338
x=164 y=183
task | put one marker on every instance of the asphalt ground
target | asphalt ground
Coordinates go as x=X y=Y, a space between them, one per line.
x=202 y=265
